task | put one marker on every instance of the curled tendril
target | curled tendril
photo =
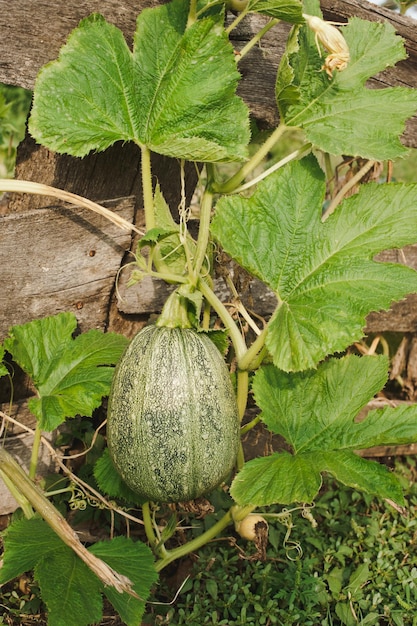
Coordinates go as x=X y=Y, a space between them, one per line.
x=285 y=518
x=307 y=514
x=78 y=501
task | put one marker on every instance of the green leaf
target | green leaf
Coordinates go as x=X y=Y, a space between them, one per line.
x=315 y=412
x=175 y=93
x=26 y=541
x=134 y=560
x=166 y=241
x=278 y=478
x=322 y=273
x=286 y=10
x=154 y=235
x=69 y=589
x=71 y=375
x=220 y=339
x=163 y=215
x=110 y=481
x=33 y=345
x=341 y=115
x=286 y=90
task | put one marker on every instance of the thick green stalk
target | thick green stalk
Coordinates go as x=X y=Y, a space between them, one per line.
x=192 y=13
x=169 y=278
x=242 y=391
x=147 y=188
x=147 y=522
x=233 y=183
x=243 y=8
x=240 y=460
x=245 y=362
x=256 y=38
x=240 y=512
x=175 y=312
x=228 y=321
x=24 y=504
x=247 y=427
x=195 y=544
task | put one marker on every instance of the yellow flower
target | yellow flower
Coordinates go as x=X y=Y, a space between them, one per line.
x=332 y=40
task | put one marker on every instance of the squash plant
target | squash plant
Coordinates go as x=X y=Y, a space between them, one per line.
x=174 y=94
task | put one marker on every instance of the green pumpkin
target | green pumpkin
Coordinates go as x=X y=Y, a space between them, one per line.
x=173 y=425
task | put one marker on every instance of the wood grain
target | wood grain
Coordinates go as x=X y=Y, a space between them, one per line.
x=60 y=259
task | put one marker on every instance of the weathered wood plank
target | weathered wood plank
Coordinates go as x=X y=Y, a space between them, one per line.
x=60 y=259
x=33 y=31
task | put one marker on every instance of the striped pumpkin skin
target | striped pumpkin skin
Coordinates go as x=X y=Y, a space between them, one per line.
x=173 y=425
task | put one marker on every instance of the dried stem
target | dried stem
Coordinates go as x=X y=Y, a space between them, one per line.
x=12 y=470
x=26 y=186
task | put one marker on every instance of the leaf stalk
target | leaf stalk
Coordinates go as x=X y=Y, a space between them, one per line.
x=246 y=362
x=256 y=38
x=228 y=321
x=203 y=232
x=233 y=183
x=195 y=544
x=147 y=188
x=35 y=452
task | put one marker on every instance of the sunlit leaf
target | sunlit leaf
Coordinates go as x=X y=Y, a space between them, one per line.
x=3 y=369
x=286 y=10
x=26 y=542
x=71 y=375
x=323 y=273
x=71 y=591
x=315 y=412
x=110 y=481
x=134 y=560
x=175 y=92
x=69 y=588
x=341 y=115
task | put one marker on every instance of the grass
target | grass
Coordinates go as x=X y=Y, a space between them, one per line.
x=358 y=566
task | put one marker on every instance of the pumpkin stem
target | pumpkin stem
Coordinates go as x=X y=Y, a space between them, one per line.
x=175 y=313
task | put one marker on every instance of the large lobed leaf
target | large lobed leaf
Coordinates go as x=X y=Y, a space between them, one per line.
x=71 y=591
x=315 y=412
x=175 y=93
x=341 y=115
x=71 y=376
x=322 y=273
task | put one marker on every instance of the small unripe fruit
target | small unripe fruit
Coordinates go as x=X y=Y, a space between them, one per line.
x=251 y=527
